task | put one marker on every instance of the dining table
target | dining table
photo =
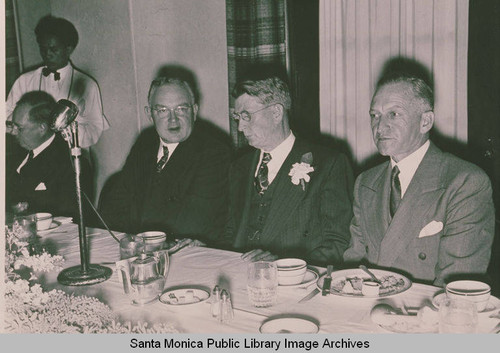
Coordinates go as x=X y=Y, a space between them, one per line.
x=204 y=267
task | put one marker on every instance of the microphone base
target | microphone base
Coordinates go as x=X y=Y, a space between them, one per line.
x=74 y=276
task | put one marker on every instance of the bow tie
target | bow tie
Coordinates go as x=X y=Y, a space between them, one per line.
x=46 y=72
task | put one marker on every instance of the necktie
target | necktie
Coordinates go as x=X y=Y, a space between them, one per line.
x=46 y=72
x=163 y=160
x=30 y=157
x=395 y=190
x=261 y=181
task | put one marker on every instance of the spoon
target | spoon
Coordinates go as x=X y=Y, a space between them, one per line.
x=374 y=278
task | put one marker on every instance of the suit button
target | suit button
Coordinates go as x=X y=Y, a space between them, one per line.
x=261 y=218
x=422 y=256
x=306 y=233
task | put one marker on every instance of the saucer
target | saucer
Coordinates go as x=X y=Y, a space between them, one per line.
x=53 y=225
x=492 y=305
x=310 y=277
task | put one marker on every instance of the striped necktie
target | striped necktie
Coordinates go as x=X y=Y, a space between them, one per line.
x=395 y=190
x=163 y=160
x=261 y=181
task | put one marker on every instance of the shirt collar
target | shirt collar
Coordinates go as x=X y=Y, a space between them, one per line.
x=413 y=159
x=171 y=148
x=39 y=149
x=281 y=151
x=64 y=71
x=408 y=165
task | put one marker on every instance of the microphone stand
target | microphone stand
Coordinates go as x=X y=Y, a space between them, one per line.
x=85 y=274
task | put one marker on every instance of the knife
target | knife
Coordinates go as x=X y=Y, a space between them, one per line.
x=309 y=296
x=328 y=280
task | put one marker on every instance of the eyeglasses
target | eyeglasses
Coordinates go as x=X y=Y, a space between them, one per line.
x=12 y=126
x=179 y=111
x=247 y=116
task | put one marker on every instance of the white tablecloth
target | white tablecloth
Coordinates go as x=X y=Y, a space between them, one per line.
x=207 y=267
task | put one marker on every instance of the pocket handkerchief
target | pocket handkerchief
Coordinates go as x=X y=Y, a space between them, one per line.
x=41 y=187
x=431 y=229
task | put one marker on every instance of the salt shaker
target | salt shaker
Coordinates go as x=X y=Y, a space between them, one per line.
x=215 y=303
x=226 y=308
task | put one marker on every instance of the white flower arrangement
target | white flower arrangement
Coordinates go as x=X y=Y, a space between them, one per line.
x=300 y=171
x=29 y=309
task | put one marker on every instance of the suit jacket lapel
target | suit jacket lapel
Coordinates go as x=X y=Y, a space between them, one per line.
x=147 y=162
x=286 y=196
x=413 y=207
x=375 y=195
x=245 y=185
x=179 y=162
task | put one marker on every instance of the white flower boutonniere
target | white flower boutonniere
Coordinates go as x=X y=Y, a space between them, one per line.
x=300 y=171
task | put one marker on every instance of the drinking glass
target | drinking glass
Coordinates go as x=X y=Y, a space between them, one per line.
x=130 y=246
x=457 y=316
x=262 y=283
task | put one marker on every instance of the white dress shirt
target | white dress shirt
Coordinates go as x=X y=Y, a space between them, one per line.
x=171 y=148
x=36 y=152
x=74 y=85
x=278 y=156
x=408 y=166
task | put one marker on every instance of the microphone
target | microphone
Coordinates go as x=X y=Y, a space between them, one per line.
x=63 y=114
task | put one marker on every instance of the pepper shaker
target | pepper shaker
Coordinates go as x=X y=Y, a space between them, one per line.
x=226 y=308
x=215 y=303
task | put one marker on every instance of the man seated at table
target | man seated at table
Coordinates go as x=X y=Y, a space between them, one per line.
x=43 y=175
x=57 y=38
x=288 y=196
x=175 y=177
x=423 y=212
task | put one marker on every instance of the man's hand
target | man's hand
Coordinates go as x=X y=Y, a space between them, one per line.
x=188 y=242
x=258 y=255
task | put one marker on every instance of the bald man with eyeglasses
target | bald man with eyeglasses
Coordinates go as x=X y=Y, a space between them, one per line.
x=288 y=197
x=175 y=177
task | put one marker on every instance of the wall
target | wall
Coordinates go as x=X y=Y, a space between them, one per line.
x=28 y=13
x=122 y=45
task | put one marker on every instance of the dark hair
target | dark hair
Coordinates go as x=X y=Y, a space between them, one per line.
x=268 y=91
x=418 y=86
x=58 y=27
x=42 y=104
x=164 y=81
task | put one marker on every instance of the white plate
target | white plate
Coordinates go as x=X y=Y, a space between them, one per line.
x=492 y=305
x=184 y=296
x=310 y=277
x=289 y=325
x=53 y=225
x=339 y=279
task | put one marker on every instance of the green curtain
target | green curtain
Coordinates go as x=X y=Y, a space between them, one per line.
x=256 y=34
x=11 y=54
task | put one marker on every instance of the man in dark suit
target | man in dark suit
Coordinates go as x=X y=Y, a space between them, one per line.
x=175 y=177
x=288 y=197
x=42 y=175
x=423 y=212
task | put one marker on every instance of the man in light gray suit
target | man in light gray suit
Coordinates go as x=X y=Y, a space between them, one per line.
x=424 y=212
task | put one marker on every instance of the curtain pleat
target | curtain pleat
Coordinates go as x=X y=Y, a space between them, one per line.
x=255 y=35
x=357 y=38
